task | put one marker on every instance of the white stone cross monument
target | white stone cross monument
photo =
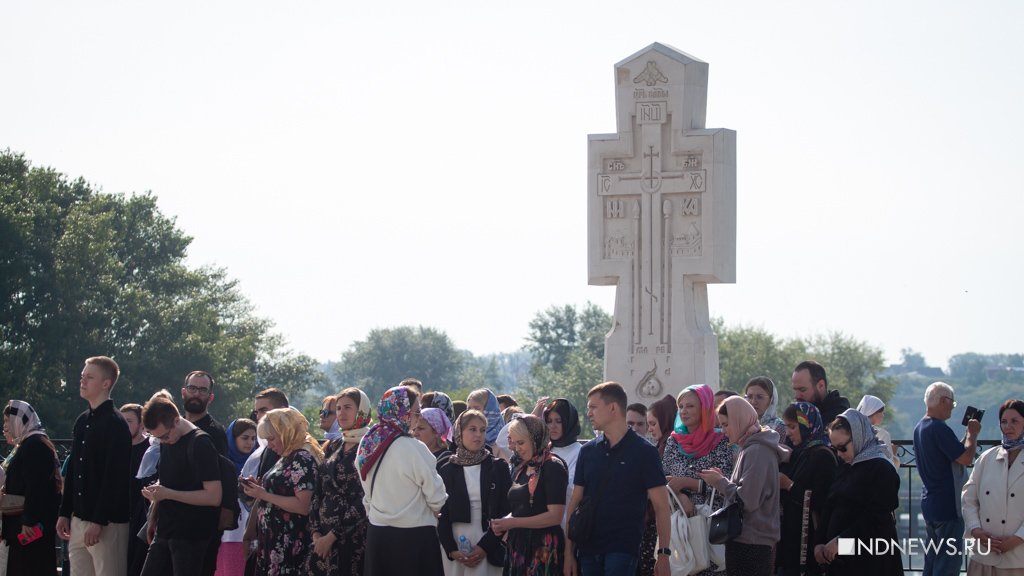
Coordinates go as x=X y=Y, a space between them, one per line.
x=661 y=223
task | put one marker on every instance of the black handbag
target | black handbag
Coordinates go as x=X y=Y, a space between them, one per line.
x=726 y=523
x=581 y=523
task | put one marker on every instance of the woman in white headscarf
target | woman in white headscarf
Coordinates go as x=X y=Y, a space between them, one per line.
x=33 y=473
x=763 y=396
x=874 y=409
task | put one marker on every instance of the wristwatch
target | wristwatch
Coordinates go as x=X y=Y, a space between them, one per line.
x=664 y=551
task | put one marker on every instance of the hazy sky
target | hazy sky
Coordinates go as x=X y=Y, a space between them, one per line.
x=375 y=164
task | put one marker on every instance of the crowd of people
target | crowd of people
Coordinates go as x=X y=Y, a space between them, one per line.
x=419 y=483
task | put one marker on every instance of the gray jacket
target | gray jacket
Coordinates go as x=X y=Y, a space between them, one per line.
x=755 y=480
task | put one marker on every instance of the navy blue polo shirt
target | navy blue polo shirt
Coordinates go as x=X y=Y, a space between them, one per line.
x=634 y=467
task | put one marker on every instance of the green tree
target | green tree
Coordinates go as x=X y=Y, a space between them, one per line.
x=388 y=355
x=560 y=330
x=84 y=273
x=580 y=372
x=745 y=352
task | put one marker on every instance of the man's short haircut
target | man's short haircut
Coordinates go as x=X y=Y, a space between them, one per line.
x=638 y=408
x=110 y=368
x=329 y=398
x=611 y=392
x=162 y=393
x=134 y=409
x=934 y=392
x=275 y=396
x=201 y=373
x=413 y=383
x=507 y=400
x=725 y=393
x=816 y=370
x=159 y=411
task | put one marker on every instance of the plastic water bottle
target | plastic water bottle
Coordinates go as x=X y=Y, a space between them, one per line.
x=465 y=546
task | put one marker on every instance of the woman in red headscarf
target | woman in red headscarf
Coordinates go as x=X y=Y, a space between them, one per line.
x=695 y=445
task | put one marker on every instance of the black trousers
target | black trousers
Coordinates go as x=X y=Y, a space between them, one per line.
x=174 y=557
x=210 y=558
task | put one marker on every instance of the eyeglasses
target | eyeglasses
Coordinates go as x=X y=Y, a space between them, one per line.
x=842 y=447
x=197 y=389
x=950 y=398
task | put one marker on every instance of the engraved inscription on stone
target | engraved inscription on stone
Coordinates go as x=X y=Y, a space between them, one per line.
x=650 y=112
x=690 y=206
x=614 y=165
x=616 y=209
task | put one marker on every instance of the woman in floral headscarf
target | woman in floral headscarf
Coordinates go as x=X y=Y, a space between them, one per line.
x=536 y=542
x=337 y=518
x=403 y=493
x=477 y=485
x=695 y=445
x=32 y=472
x=811 y=469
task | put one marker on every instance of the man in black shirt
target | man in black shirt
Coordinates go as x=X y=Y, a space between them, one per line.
x=811 y=385
x=197 y=394
x=187 y=497
x=94 y=508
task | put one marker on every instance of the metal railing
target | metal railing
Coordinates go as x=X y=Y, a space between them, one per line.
x=909 y=520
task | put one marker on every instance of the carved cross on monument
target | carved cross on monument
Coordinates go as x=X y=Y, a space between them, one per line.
x=662 y=223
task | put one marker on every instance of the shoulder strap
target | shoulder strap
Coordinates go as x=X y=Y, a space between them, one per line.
x=373 y=481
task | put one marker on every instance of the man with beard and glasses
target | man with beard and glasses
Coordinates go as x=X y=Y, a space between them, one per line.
x=197 y=394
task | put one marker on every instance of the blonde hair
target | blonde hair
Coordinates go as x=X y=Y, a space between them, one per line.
x=479 y=396
x=290 y=426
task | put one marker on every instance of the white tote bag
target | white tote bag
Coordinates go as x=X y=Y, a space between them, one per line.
x=681 y=562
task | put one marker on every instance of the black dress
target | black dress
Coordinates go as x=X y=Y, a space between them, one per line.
x=337 y=507
x=35 y=474
x=860 y=505
x=811 y=469
x=537 y=550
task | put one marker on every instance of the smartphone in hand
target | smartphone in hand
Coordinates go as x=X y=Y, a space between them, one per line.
x=972 y=413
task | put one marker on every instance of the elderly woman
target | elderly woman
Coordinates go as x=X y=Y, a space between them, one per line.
x=477 y=484
x=435 y=431
x=337 y=520
x=402 y=492
x=34 y=474
x=285 y=493
x=536 y=542
x=992 y=515
x=762 y=395
x=695 y=446
x=755 y=482
x=808 y=474
x=862 y=500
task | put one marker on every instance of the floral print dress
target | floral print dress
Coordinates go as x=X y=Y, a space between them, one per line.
x=338 y=507
x=284 y=538
x=678 y=464
x=537 y=551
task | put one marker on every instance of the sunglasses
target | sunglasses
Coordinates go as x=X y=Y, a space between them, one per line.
x=842 y=447
x=325 y=413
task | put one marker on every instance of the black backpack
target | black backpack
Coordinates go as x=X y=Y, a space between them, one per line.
x=229 y=508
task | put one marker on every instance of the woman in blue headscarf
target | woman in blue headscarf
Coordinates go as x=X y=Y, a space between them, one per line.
x=241 y=435
x=862 y=500
x=806 y=478
x=483 y=400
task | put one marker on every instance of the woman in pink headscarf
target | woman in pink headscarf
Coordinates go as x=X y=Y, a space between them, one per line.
x=695 y=445
x=754 y=481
